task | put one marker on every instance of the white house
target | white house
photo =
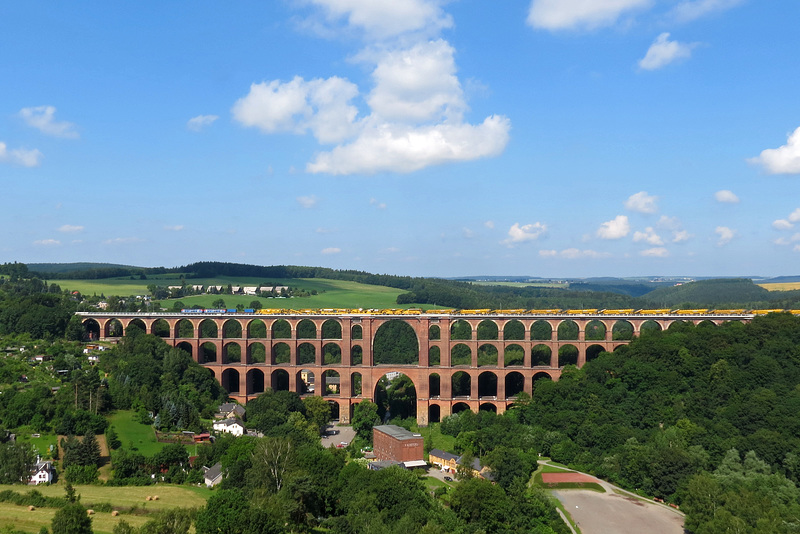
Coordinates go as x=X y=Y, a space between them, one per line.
x=42 y=473
x=232 y=425
x=213 y=475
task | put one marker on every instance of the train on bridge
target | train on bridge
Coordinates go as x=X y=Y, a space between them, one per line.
x=484 y=311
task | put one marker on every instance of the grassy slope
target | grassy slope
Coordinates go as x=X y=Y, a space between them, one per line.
x=331 y=293
x=20 y=518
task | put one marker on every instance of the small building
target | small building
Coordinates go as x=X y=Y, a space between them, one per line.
x=250 y=290
x=383 y=464
x=42 y=473
x=446 y=461
x=213 y=475
x=230 y=409
x=232 y=425
x=391 y=442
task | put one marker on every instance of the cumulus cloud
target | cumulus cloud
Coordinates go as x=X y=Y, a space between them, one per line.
x=174 y=227
x=70 y=229
x=521 y=234
x=47 y=242
x=197 y=124
x=123 y=240
x=655 y=252
x=649 y=236
x=489 y=225
x=412 y=118
x=388 y=147
x=579 y=14
x=330 y=250
x=616 y=228
x=573 y=254
x=20 y=156
x=726 y=197
x=467 y=233
x=725 y=235
x=642 y=202
x=377 y=204
x=674 y=226
x=788 y=240
x=382 y=20
x=781 y=160
x=43 y=119
x=663 y=52
x=788 y=222
x=307 y=201
x=694 y=9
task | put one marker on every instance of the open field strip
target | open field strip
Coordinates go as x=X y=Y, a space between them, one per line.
x=330 y=293
x=783 y=286
x=521 y=284
x=20 y=518
x=132 y=433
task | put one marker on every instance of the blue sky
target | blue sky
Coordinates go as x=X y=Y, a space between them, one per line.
x=554 y=138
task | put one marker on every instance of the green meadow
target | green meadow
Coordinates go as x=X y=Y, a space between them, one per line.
x=330 y=293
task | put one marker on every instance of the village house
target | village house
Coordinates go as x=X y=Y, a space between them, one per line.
x=228 y=410
x=213 y=475
x=42 y=473
x=232 y=425
x=391 y=442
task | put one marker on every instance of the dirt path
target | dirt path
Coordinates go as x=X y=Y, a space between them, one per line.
x=617 y=511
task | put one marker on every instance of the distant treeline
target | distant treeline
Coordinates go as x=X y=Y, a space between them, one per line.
x=721 y=293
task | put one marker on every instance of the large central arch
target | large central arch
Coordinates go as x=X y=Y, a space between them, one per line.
x=395 y=343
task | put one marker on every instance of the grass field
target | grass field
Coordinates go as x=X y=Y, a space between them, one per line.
x=133 y=433
x=523 y=284
x=330 y=293
x=124 y=498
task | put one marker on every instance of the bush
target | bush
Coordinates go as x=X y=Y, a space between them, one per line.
x=81 y=474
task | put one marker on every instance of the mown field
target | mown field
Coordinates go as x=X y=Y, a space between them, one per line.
x=134 y=435
x=783 y=286
x=121 y=498
x=330 y=293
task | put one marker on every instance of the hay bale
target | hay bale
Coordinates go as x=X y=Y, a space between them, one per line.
x=89 y=512
x=114 y=513
x=148 y=498
x=155 y=497
x=31 y=508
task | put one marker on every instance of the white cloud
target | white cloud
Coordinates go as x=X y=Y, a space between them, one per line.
x=794 y=216
x=377 y=204
x=579 y=14
x=655 y=252
x=781 y=160
x=649 y=235
x=47 y=242
x=69 y=228
x=616 y=228
x=725 y=235
x=782 y=224
x=321 y=106
x=307 y=201
x=788 y=240
x=489 y=225
x=663 y=52
x=573 y=254
x=43 y=119
x=417 y=84
x=390 y=147
x=680 y=235
x=412 y=118
x=20 y=156
x=467 y=233
x=123 y=240
x=174 y=227
x=330 y=250
x=197 y=124
x=693 y=9
x=381 y=20
x=726 y=196
x=521 y=234
x=642 y=202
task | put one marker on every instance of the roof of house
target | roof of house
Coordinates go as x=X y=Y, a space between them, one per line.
x=476 y=463
x=214 y=472
x=443 y=455
x=397 y=432
x=230 y=421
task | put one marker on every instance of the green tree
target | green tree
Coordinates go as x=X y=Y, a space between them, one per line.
x=365 y=416
x=318 y=412
x=16 y=462
x=71 y=519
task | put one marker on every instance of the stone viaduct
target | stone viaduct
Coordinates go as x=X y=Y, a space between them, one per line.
x=478 y=361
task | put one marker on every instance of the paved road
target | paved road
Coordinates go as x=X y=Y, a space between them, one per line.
x=618 y=512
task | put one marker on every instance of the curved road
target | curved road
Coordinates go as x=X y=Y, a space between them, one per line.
x=617 y=511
